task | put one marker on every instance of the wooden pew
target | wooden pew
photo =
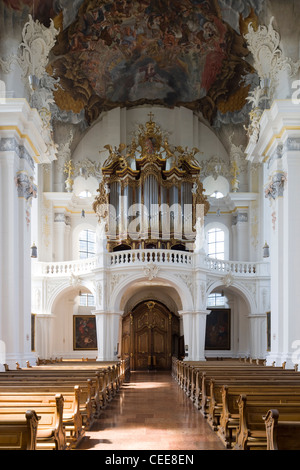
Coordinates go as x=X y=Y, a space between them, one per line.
x=251 y=432
x=107 y=380
x=184 y=372
x=86 y=403
x=50 y=432
x=223 y=377
x=19 y=432
x=72 y=418
x=202 y=382
x=283 y=429
x=98 y=386
x=88 y=381
x=229 y=417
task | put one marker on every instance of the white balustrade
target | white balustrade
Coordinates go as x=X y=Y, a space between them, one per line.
x=140 y=257
x=64 y=268
x=137 y=258
x=233 y=267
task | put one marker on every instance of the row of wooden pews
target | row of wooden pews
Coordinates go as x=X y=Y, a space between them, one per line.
x=50 y=406
x=251 y=406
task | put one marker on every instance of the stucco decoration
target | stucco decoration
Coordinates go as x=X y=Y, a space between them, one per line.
x=269 y=60
x=33 y=52
x=276 y=185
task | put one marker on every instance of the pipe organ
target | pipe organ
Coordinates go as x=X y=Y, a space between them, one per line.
x=150 y=195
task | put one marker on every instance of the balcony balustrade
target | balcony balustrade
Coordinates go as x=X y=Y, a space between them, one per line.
x=139 y=258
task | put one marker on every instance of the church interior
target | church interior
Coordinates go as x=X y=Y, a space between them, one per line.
x=148 y=152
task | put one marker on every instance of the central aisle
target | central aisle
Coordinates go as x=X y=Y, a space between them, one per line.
x=151 y=412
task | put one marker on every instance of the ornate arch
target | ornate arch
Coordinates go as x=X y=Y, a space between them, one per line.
x=238 y=287
x=61 y=286
x=125 y=281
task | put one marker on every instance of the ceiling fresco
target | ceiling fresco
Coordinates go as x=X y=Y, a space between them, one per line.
x=126 y=53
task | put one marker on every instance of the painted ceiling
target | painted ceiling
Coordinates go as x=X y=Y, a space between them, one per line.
x=165 y=52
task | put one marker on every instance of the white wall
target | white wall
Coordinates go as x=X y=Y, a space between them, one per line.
x=117 y=126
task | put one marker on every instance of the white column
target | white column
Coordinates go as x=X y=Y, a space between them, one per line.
x=59 y=236
x=44 y=335
x=9 y=300
x=194 y=330
x=291 y=255
x=242 y=236
x=279 y=148
x=21 y=147
x=107 y=325
x=258 y=336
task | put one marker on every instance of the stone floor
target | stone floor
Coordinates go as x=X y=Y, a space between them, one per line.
x=150 y=413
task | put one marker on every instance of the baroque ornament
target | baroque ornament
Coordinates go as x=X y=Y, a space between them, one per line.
x=33 y=52
x=275 y=187
x=151 y=271
x=215 y=167
x=256 y=97
x=149 y=157
x=228 y=280
x=269 y=60
x=33 y=58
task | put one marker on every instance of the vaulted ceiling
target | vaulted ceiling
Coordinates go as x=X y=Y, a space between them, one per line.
x=173 y=53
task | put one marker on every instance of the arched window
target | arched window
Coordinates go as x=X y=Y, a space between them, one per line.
x=87 y=244
x=216 y=243
x=216 y=299
x=86 y=300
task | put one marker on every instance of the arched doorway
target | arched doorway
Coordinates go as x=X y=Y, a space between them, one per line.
x=150 y=336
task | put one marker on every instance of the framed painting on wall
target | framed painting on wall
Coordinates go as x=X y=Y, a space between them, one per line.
x=84 y=332
x=218 y=330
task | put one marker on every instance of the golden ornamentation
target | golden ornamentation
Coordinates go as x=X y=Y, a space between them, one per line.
x=172 y=167
x=69 y=170
x=100 y=205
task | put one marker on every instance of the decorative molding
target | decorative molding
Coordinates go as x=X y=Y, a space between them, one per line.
x=276 y=185
x=59 y=217
x=228 y=280
x=98 y=292
x=215 y=167
x=269 y=60
x=33 y=52
x=74 y=280
x=256 y=97
x=10 y=144
x=240 y=217
x=293 y=144
x=188 y=280
x=33 y=57
x=151 y=271
x=25 y=186
x=87 y=168
x=27 y=190
x=46 y=226
x=115 y=280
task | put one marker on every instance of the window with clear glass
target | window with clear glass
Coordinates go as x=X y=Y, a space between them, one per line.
x=216 y=243
x=86 y=300
x=216 y=300
x=85 y=194
x=87 y=244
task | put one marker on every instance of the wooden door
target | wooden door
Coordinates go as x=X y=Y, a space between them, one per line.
x=149 y=340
